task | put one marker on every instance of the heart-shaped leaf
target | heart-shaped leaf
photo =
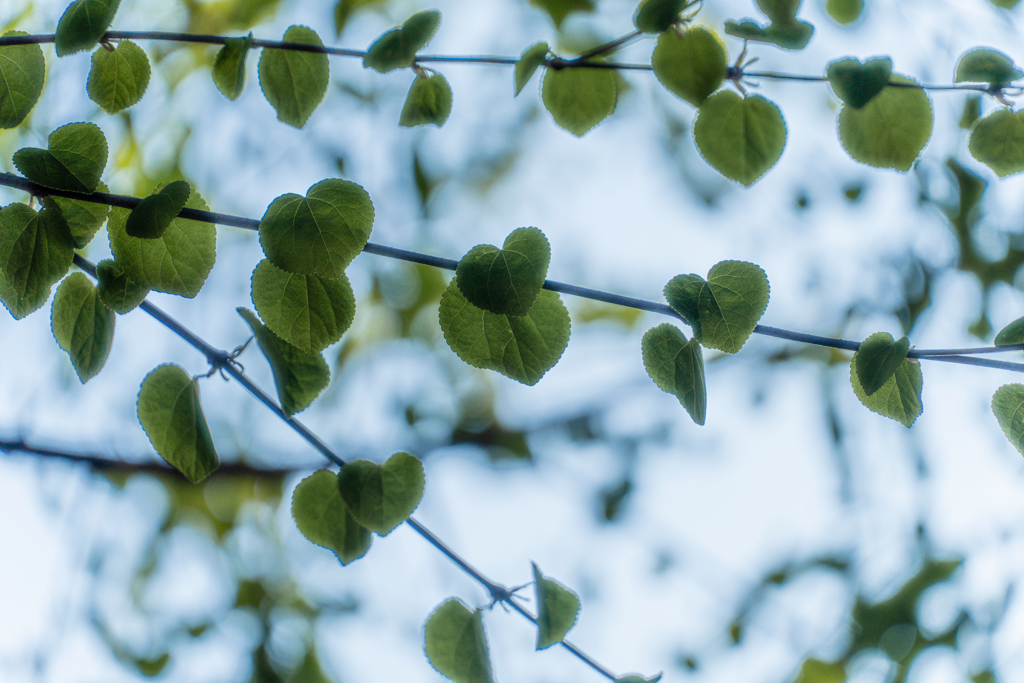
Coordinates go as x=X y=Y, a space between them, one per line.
x=456 y=644
x=878 y=359
x=429 y=101
x=677 y=366
x=891 y=130
x=307 y=311
x=320 y=233
x=116 y=290
x=381 y=497
x=998 y=142
x=899 y=398
x=22 y=74
x=119 y=77
x=557 y=608
x=35 y=252
x=83 y=24
x=724 y=309
x=82 y=325
x=397 y=48
x=299 y=376
x=172 y=416
x=84 y=218
x=177 y=262
x=742 y=137
x=692 y=64
x=982 y=65
x=522 y=348
x=293 y=81
x=229 y=66
x=153 y=215
x=857 y=83
x=579 y=98
x=531 y=60
x=844 y=12
x=321 y=516
x=655 y=16
x=1008 y=407
x=1011 y=334
x=73 y=160
x=506 y=281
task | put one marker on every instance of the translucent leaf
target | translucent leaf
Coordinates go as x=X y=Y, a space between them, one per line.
x=791 y=35
x=73 y=160
x=84 y=218
x=655 y=16
x=35 y=252
x=83 y=24
x=381 y=497
x=522 y=348
x=22 y=75
x=153 y=215
x=307 y=311
x=321 y=516
x=119 y=77
x=170 y=412
x=878 y=359
x=531 y=60
x=899 y=398
x=889 y=131
x=857 y=83
x=1008 y=407
x=557 y=610
x=742 y=137
x=817 y=671
x=692 y=65
x=116 y=290
x=1011 y=334
x=320 y=233
x=299 y=376
x=229 y=66
x=779 y=10
x=456 y=644
x=998 y=142
x=844 y=12
x=677 y=367
x=177 y=262
x=982 y=65
x=344 y=10
x=579 y=98
x=429 y=101
x=558 y=10
x=397 y=48
x=82 y=325
x=724 y=309
x=971 y=112
x=294 y=82
x=506 y=281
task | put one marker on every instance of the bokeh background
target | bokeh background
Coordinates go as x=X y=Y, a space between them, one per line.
x=794 y=526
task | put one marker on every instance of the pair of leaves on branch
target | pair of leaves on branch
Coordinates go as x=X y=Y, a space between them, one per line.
x=885 y=380
x=74 y=159
x=997 y=140
x=1008 y=401
x=784 y=29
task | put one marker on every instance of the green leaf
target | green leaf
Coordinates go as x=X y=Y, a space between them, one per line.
x=857 y=83
x=790 y=35
x=381 y=497
x=817 y=671
x=558 y=10
x=294 y=82
x=638 y=679
x=982 y=65
x=429 y=101
x=229 y=66
x=878 y=359
x=1011 y=334
x=307 y=311
x=899 y=398
x=153 y=215
x=116 y=290
x=73 y=161
x=724 y=309
x=299 y=376
x=344 y=10
x=119 y=77
x=692 y=64
x=397 y=48
x=84 y=218
x=521 y=348
x=35 y=252
x=82 y=325
x=889 y=131
x=579 y=98
x=677 y=367
x=655 y=16
x=531 y=60
x=1005 y=4
x=456 y=644
x=971 y=113
x=506 y=281
x=998 y=142
x=321 y=516
x=83 y=24
x=22 y=74
x=320 y=233
x=170 y=412
x=742 y=137
x=557 y=610
x=845 y=12
x=779 y=10
x=1008 y=407
x=177 y=262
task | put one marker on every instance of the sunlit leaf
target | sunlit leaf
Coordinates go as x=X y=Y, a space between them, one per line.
x=83 y=24
x=293 y=81
x=742 y=137
x=655 y=16
x=691 y=65
x=22 y=75
x=153 y=215
x=899 y=398
x=579 y=98
x=982 y=65
x=429 y=101
x=73 y=160
x=1008 y=407
x=321 y=516
x=844 y=11
x=82 y=325
x=456 y=644
x=998 y=142
x=677 y=366
x=229 y=66
x=84 y=218
x=119 y=77
x=35 y=252
x=857 y=83
x=397 y=48
x=878 y=359
x=506 y=281
x=557 y=608
x=381 y=497
x=116 y=290
x=891 y=130
x=531 y=60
